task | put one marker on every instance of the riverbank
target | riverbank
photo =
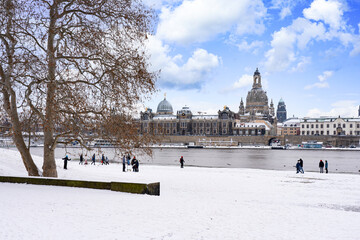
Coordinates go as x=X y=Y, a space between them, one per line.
x=195 y=203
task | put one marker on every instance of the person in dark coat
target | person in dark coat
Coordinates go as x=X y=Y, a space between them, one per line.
x=103 y=159
x=93 y=159
x=326 y=166
x=298 y=166
x=133 y=163
x=124 y=162
x=321 y=166
x=182 y=162
x=301 y=165
x=81 y=159
x=66 y=159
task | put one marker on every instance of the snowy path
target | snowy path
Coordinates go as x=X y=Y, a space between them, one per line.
x=195 y=203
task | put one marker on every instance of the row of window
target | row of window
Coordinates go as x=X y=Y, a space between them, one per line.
x=328 y=133
x=328 y=125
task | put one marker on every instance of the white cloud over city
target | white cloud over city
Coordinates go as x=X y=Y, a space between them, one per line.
x=202 y=20
x=177 y=72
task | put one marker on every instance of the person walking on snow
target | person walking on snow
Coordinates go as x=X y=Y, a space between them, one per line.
x=102 y=159
x=93 y=159
x=182 y=162
x=66 y=159
x=326 y=166
x=301 y=165
x=321 y=166
x=124 y=162
x=298 y=166
x=81 y=159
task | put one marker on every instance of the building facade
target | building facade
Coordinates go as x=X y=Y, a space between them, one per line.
x=254 y=118
x=330 y=126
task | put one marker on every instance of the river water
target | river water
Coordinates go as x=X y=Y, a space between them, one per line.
x=340 y=161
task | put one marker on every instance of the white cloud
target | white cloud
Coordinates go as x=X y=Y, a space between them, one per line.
x=345 y=108
x=201 y=20
x=174 y=72
x=330 y=12
x=301 y=65
x=325 y=75
x=287 y=42
x=322 y=81
x=285 y=6
x=245 y=80
x=255 y=45
x=317 y=85
x=284 y=42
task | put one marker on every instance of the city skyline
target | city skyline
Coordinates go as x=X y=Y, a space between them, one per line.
x=306 y=52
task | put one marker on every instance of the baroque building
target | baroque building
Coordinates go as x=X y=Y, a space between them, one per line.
x=254 y=118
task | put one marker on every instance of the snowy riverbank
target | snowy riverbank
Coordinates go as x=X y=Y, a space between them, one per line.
x=195 y=203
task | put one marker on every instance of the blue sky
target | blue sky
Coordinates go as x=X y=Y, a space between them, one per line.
x=308 y=53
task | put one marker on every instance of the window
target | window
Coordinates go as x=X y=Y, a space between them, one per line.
x=358 y=125
x=327 y=125
x=351 y=133
x=312 y=132
x=317 y=126
x=174 y=125
x=350 y=125
x=194 y=125
x=327 y=132
x=334 y=125
x=322 y=126
x=201 y=125
x=312 y=125
x=214 y=125
x=303 y=126
x=344 y=125
x=224 y=125
x=334 y=133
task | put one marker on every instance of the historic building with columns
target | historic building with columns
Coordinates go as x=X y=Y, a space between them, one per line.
x=257 y=117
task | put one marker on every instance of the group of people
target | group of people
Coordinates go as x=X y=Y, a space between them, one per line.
x=300 y=169
x=134 y=163
x=104 y=160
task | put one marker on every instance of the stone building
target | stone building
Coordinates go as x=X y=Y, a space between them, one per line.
x=330 y=126
x=256 y=118
x=281 y=111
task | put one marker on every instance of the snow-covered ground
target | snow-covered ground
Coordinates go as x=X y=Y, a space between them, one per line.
x=195 y=203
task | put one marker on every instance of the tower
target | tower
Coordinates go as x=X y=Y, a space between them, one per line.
x=257 y=79
x=241 y=108
x=271 y=108
x=281 y=111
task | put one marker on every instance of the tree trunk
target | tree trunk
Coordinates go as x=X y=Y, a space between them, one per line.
x=11 y=108
x=49 y=165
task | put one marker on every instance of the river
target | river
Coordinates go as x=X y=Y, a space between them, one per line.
x=340 y=161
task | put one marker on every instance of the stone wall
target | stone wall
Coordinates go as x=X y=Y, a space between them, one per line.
x=336 y=141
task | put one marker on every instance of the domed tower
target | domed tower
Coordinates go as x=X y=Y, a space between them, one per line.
x=281 y=111
x=164 y=108
x=257 y=100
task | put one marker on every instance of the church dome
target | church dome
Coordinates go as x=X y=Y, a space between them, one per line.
x=257 y=95
x=164 y=107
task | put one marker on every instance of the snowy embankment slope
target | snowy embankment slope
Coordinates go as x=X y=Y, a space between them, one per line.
x=195 y=203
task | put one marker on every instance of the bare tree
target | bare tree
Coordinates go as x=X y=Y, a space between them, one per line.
x=80 y=67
